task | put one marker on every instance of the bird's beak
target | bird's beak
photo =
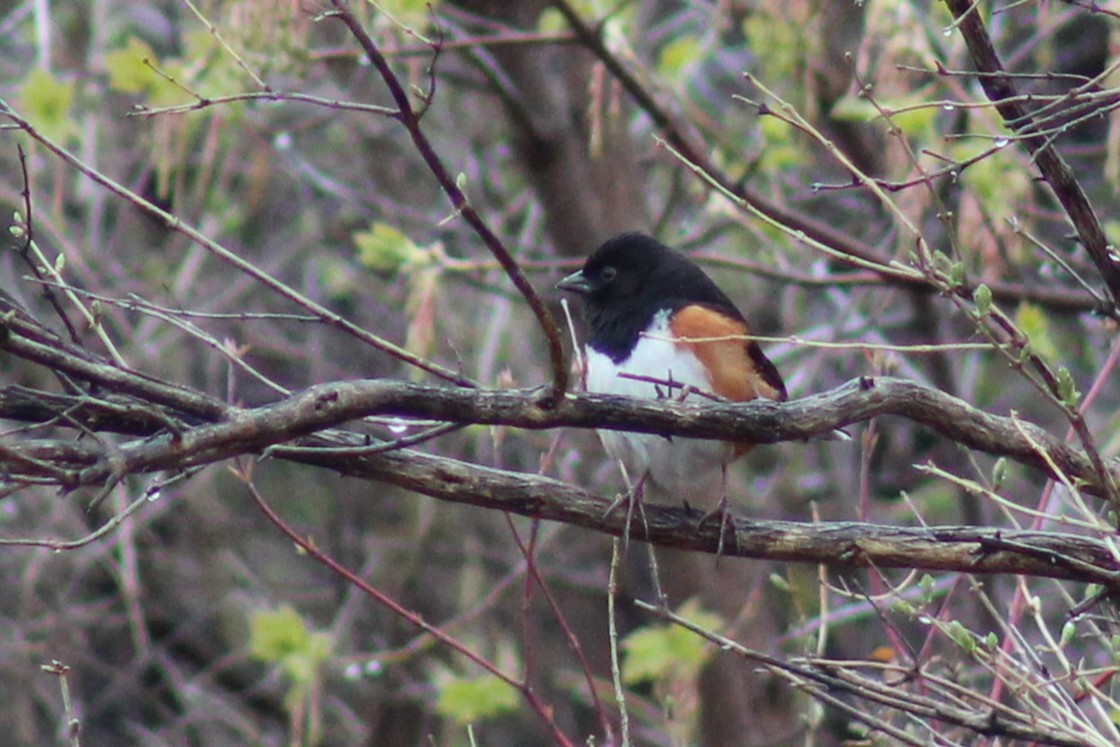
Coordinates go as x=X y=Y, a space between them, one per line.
x=576 y=283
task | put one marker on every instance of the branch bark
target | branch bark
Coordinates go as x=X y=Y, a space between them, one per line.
x=172 y=428
x=678 y=137
x=245 y=431
x=1001 y=91
x=409 y=117
x=838 y=544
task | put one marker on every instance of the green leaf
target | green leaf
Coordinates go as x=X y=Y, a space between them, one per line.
x=942 y=262
x=280 y=637
x=961 y=636
x=982 y=296
x=677 y=56
x=1069 y=630
x=780 y=150
x=999 y=473
x=45 y=101
x=1067 y=389
x=668 y=651
x=408 y=13
x=551 y=21
x=928 y=585
x=474 y=699
x=903 y=607
x=127 y=69
x=385 y=249
x=853 y=108
x=1036 y=326
x=277 y=634
x=956 y=274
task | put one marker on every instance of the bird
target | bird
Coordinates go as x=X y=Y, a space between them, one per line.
x=659 y=327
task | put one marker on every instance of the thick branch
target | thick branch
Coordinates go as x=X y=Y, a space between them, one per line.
x=243 y=431
x=843 y=544
x=174 y=428
x=308 y=414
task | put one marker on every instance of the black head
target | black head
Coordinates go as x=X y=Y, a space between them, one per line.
x=628 y=280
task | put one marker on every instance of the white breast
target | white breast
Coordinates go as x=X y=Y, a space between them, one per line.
x=683 y=468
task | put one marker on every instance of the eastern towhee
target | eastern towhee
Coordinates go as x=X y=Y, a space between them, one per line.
x=659 y=327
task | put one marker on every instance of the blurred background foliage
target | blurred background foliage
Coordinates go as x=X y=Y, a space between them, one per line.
x=197 y=623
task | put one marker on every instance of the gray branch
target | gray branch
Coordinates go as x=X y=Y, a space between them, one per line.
x=165 y=427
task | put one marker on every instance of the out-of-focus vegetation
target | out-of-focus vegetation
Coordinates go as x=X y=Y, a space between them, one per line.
x=861 y=199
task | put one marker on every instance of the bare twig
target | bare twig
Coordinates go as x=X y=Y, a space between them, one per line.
x=409 y=117
x=204 y=102
x=542 y=709
x=1000 y=89
x=827 y=679
x=231 y=258
x=964 y=549
x=843 y=245
x=73 y=724
x=28 y=241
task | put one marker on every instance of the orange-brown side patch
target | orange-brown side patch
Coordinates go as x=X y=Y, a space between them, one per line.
x=734 y=374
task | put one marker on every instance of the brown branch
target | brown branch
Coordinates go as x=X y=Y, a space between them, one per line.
x=542 y=709
x=30 y=342
x=963 y=549
x=232 y=431
x=173 y=223
x=826 y=678
x=410 y=118
x=238 y=431
x=1001 y=91
x=174 y=428
x=798 y=221
x=840 y=544
x=25 y=248
x=675 y=135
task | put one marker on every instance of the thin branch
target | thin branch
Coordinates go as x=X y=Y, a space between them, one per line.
x=203 y=102
x=826 y=679
x=835 y=243
x=841 y=244
x=73 y=726
x=1000 y=89
x=174 y=223
x=225 y=45
x=27 y=241
x=409 y=117
x=963 y=549
x=539 y=707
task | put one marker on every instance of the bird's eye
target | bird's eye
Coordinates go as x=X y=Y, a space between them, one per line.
x=607 y=274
